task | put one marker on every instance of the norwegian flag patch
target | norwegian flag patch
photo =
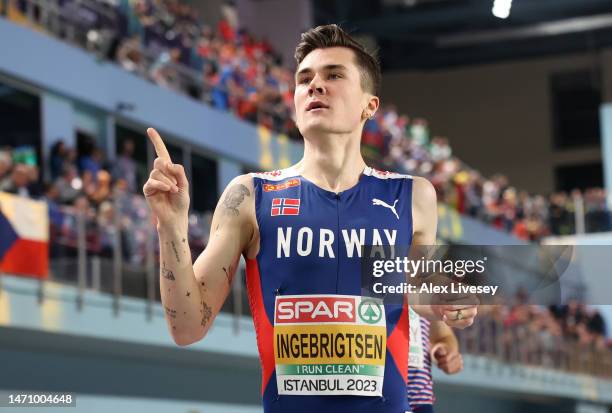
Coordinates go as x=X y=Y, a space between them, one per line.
x=285 y=206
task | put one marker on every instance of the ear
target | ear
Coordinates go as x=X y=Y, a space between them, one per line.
x=372 y=107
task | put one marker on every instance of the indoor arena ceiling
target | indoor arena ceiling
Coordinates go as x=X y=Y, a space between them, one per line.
x=443 y=33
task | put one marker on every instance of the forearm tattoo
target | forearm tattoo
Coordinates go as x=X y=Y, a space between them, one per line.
x=206 y=312
x=176 y=254
x=234 y=197
x=170 y=312
x=229 y=274
x=166 y=273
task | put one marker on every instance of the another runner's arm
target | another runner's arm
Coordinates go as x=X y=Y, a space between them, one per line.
x=212 y=273
x=445 y=348
x=440 y=332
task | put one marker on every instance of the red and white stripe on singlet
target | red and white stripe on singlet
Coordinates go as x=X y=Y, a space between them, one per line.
x=420 y=384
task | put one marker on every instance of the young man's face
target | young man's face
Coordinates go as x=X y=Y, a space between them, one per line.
x=329 y=78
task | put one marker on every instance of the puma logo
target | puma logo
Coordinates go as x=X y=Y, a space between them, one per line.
x=376 y=201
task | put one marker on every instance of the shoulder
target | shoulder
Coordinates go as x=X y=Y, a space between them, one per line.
x=275 y=175
x=376 y=173
x=237 y=199
x=423 y=193
x=424 y=211
x=240 y=185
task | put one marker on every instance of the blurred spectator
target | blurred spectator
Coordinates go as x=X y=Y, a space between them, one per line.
x=210 y=80
x=21 y=181
x=560 y=218
x=56 y=218
x=92 y=162
x=229 y=90
x=6 y=163
x=419 y=131
x=80 y=207
x=103 y=188
x=597 y=216
x=125 y=166
x=106 y=224
x=165 y=70
x=51 y=197
x=129 y=56
x=58 y=157
x=597 y=327
x=440 y=149
x=69 y=184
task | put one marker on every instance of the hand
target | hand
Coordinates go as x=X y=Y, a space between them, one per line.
x=447 y=360
x=458 y=311
x=457 y=316
x=167 y=189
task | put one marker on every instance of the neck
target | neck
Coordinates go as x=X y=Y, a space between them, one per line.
x=332 y=161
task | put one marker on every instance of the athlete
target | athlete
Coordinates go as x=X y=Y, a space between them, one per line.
x=429 y=340
x=322 y=346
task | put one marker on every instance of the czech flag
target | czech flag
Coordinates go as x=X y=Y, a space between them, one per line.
x=24 y=236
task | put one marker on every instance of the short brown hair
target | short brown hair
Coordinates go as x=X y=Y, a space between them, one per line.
x=332 y=35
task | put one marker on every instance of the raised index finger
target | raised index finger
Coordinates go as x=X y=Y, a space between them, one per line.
x=158 y=143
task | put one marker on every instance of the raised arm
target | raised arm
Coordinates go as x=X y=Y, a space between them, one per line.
x=192 y=294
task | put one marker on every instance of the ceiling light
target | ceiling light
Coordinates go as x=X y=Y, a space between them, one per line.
x=501 y=8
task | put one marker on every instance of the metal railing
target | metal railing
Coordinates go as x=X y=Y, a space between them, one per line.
x=591 y=215
x=117 y=253
x=524 y=345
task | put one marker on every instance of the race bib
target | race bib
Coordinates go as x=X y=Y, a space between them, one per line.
x=416 y=356
x=329 y=345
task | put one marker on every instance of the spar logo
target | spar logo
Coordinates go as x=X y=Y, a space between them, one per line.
x=370 y=311
x=308 y=309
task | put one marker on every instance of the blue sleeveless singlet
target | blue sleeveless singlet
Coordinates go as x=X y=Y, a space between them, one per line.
x=310 y=241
